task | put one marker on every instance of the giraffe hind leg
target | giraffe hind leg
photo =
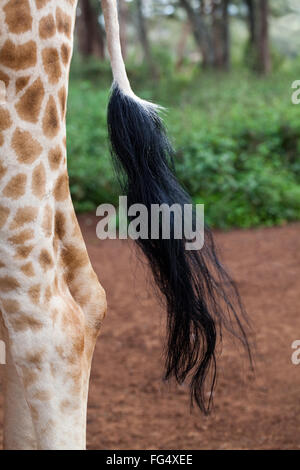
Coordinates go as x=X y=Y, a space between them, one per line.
x=18 y=426
x=52 y=364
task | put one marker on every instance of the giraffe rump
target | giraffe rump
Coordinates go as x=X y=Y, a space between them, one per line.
x=200 y=296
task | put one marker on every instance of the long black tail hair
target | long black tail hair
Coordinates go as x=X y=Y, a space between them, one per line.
x=200 y=296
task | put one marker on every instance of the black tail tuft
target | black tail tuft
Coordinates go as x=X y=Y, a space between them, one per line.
x=200 y=296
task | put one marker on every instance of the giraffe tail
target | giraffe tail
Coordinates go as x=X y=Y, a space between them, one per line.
x=200 y=296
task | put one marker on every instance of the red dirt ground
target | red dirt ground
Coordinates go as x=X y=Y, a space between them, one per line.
x=131 y=408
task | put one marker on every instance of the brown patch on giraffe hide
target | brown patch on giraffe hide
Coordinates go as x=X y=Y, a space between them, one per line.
x=51 y=119
x=48 y=294
x=66 y=406
x=78 y=345
x=11 y=306
x=29 y=105
x=64 y=22
x=47 y=224
x=55 y=157
x=56 y=283
x=34 y=293
x=29 y=377
x=45 y=259
x=36 y=358
x=18 y=16
x=41 y=3
x=21 y=83
x=22 y=237
x=76 y=229
x=72 y=359
x=8 y=283
x=1 y=139
x=23 y=252
x=4 y=78
x=60 y=224
x=51 y=64
x=62 y=96
x=72 y=321
x=24 y=215
x=76 y=376
x=38 y=183
x=42 y=395
x=28 y=269
x=24 y=322
x=82 y=296
x=60 y=351
x=73 y=259
x=16 y=186
x=26 y=147
x=4 y=213
x=65 y=51
x=61 y=189
x=3 y=170
x=47 y=27
x=5 y=120
x=18 y=57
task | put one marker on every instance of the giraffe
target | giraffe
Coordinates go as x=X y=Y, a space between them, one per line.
x=51 y=301
x=52 y=304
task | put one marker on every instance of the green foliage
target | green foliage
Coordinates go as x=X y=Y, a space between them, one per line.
x=237 y=139
x=92 y=179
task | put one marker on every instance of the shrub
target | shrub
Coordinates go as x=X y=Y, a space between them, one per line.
x=237 y=139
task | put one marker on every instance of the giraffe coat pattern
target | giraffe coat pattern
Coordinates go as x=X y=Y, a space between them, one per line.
x=51 y=301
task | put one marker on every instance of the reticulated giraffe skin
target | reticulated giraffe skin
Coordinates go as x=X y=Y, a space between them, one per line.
x=51 y=301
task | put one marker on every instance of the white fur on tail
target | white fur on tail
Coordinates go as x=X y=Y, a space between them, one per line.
x=110 y=12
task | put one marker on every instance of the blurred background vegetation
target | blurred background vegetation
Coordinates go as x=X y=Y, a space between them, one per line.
x=223 y=69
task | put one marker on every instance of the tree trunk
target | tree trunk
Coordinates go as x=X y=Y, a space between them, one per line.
x=201 y=33
x=220 y=33
x=89 y=33
x=251 y=22
x=225 y=35
x=215 y=28
x=258 y=49
x=264 y=58
x=143 y=35
x=185 y=32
